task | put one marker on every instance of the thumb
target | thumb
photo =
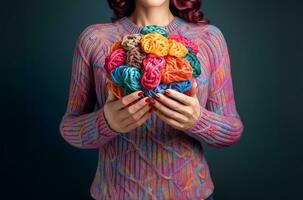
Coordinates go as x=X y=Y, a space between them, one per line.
x=194 y=89
x=111 y=96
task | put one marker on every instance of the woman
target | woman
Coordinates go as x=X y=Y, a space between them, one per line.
x=152 y=148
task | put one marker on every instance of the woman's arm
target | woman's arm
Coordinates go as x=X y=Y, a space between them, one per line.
x=219 y=124
x=80 y=126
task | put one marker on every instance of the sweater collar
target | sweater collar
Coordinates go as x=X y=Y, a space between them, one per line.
x=134 y=28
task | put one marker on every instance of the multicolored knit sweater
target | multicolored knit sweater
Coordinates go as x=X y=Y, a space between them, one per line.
x=154 y=161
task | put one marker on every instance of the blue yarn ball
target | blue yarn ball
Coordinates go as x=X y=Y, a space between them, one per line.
x=180 y=86
x=127 y=77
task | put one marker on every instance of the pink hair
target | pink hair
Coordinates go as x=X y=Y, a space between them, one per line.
x=188 y=10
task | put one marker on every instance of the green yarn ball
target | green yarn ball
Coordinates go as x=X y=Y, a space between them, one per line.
x=194 y=62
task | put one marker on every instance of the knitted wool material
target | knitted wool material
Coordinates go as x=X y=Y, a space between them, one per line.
x=153 y=161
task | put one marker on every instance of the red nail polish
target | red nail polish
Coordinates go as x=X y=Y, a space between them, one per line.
x=166 y=92
x=187 y=92
x=157 y=96
x=152 y=101
x=140 y=93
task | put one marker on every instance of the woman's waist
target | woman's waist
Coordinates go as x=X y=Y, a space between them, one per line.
x=153 y=157
x=153 y=148
x=161 y=171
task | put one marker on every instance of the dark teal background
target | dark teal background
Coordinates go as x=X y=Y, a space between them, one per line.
x=266 y=53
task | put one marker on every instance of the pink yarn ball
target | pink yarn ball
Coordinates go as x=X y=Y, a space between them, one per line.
x=185 y=41
x=151 y=76
x=153 y=61
x=115 y=59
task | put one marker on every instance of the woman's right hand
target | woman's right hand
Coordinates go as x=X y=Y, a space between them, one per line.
x=123 y=117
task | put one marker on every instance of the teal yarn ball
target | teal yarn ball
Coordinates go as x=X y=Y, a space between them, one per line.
x=117 y=75
x=132 y=79
x=194 y=62
x=127 y=77
x=154 y=29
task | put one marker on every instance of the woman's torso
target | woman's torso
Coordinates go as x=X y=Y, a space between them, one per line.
x=154 y=161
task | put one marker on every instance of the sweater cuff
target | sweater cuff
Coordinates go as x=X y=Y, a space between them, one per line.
x=202 y=125
x=103 y=126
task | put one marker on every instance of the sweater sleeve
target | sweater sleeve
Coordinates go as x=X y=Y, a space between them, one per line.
x=80 y=125
x=219 y=124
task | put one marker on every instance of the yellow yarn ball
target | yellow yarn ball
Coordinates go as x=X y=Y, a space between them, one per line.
x=155 y=43
x=176 y=48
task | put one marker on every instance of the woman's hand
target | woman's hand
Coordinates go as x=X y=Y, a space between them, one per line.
x=177 y=109
x=127 y=113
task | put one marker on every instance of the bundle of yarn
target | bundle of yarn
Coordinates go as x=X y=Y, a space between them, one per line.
x=152 y=61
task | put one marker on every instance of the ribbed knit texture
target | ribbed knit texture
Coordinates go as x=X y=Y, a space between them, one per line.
x=154 y=161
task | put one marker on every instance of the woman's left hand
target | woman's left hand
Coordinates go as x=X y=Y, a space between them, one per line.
x=177 y=109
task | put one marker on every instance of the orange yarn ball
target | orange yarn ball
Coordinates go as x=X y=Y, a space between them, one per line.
x=115 y=46
x=114 y=87
x=176 y=69
x=117 y=90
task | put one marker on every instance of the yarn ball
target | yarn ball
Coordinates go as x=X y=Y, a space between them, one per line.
x=186 y=42
x=176 y=69
x=152 y=66
x=135 y=56
x=131 y=41
x=154 y=29
x=115 y=59
x=194 y=62
x=155 y=43
x=152 y=61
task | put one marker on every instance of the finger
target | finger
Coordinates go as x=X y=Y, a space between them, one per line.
x=172 y=103
x=184 y=99
x=124 y=101
x=168 y=112
x=169 y=121
x=194 y=89
x=139 y=122
x=135 y=117
x=134 y=108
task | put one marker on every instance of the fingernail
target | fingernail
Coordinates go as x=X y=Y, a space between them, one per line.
x=157 y=96
x=150 y=110
x=150 y=104
x=152 y=101
x=140 y=93
x=154 y=108
x=166 y=92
